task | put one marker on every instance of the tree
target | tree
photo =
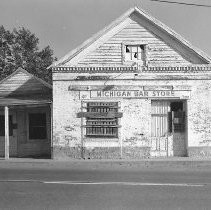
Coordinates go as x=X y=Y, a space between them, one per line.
x=19 y=48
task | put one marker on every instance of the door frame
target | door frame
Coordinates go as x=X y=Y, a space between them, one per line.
x=169 y=136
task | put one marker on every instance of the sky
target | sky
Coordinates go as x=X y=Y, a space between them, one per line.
x=65 y=24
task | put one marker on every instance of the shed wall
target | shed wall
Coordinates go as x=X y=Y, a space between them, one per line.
x=33 y=148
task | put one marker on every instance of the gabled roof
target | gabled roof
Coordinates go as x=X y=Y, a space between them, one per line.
x=142 y=13
x=29 y=74
x=22 y=83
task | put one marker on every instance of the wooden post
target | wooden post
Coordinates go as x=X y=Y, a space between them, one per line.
x=119 y=134
x=6 y=117
x=167 y=144
x=172 y=132
x=51 y=113
x=82 y=134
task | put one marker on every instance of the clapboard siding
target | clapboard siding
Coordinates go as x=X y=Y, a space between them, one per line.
x=22 y=83
x=13 y=147
x=26 y=147
x=111 y=51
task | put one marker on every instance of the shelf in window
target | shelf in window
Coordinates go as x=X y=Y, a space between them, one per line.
x=101 y=120
x=112 y=107
x=101 y=135
x=101 y=126
x=100 y=114
x=101 y=123
x=102 y=104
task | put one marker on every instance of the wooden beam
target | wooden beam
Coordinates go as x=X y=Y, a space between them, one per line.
x=6 y=115
x=100 y=114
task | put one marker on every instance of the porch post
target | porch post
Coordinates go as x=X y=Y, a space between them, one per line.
x=6 y=120
x=51 y=107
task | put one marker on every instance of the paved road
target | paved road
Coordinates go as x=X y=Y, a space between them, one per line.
x=97 y=188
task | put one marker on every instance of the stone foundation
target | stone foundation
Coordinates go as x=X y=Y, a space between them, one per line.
x=101 y=153
x=199 y=152
x=136 y=152
x=66 y=152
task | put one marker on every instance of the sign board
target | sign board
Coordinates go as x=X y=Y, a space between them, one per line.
x=179 y=94
x=140 y=94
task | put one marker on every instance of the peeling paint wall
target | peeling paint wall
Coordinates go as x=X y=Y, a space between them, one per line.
x=66 y=127
x=134 y=140
x=199 y=123
x=135 y=112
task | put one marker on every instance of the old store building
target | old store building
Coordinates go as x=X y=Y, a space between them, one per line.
x=25 y=116
x=137 y=89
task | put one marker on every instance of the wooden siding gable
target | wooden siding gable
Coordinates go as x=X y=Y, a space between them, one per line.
x=22 y=82
x=158 y=51
x=135 y=25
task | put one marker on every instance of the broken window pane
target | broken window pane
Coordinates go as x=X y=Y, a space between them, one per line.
x=134 y=53
x=127 y=49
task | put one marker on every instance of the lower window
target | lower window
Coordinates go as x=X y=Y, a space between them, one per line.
x=37 y=126
x=2 y=125
x=102 y=120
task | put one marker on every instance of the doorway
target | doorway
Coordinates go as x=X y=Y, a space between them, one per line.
x=168 y=128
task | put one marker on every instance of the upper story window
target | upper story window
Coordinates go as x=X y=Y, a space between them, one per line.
x=134 y=52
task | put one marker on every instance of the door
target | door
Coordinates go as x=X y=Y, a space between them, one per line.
x=12 y=134
x=159 y=128
x=168 y=128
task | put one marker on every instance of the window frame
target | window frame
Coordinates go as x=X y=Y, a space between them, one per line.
x=84 y=120
x=39 y=111
x=178 y=123
x=11 y=123
x=136 y=44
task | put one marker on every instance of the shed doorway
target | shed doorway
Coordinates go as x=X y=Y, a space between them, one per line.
x=168 y=128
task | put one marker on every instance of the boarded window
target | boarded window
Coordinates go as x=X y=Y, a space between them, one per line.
x=37 y=126
x=2 y=125
x=102 y=121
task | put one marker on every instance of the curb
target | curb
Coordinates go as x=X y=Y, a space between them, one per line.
x=68 y=164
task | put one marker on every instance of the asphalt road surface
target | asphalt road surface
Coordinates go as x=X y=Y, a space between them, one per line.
x=106 y=188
